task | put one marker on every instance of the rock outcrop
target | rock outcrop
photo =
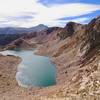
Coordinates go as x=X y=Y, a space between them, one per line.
x=92 y=36
x=70 y=29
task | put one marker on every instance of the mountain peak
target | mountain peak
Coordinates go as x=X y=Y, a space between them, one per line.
x=42 y=25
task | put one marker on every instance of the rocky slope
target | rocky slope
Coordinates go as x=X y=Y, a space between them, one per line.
x=33 y=39
x=76 y=52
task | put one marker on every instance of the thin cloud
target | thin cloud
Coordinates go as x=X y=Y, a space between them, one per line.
x=48 y=15
x=79 y=20
x=20 y=18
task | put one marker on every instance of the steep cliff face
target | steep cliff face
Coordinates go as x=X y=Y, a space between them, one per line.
x=92 y=36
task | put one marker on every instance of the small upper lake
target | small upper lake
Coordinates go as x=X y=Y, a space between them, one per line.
x=34 y=70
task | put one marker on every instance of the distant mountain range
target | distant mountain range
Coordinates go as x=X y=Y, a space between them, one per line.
x=9 y=34
x=19 y=30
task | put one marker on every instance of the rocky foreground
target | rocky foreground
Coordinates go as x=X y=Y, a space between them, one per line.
x=75 y=50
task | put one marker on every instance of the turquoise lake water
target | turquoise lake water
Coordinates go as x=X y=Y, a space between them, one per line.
x=34 y=70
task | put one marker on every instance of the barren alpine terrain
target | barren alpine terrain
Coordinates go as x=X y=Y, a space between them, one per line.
x=75 y=50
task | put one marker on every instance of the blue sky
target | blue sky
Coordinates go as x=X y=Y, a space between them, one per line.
x=49 y=2
x=28 y=13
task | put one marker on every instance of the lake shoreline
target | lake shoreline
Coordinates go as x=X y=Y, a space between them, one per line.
x=7 y=66
x=8 y=83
